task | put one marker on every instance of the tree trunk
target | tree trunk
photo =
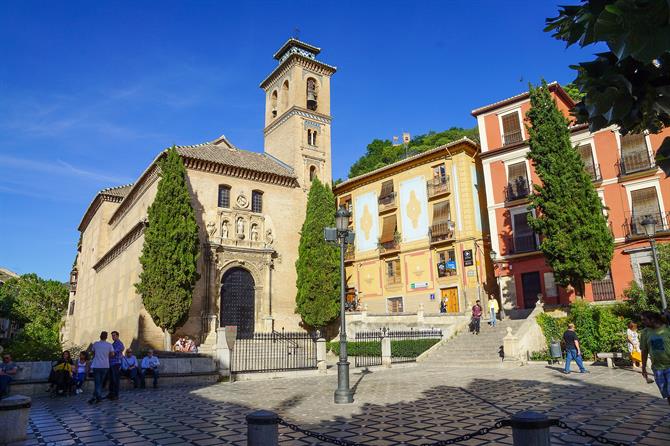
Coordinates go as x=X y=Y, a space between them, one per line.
x=167 y=337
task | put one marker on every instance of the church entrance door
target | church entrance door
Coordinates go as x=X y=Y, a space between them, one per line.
x=237 y=301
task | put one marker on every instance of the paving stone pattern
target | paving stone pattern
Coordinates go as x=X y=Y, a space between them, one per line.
x=405 y=405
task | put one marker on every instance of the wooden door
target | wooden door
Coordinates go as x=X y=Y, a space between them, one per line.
x=450 y=297
x=530 y=283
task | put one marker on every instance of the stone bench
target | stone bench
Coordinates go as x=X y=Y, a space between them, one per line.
x=14 y=412
x=610 y=358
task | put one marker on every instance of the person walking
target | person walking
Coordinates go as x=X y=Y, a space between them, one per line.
x=115 y=367
x=82 y=369
x=572 y=350
x=102 y=351
x=493 y=310
x=476 y=316
x=655 y=344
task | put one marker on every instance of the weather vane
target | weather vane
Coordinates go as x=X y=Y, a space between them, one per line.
x=296 y=33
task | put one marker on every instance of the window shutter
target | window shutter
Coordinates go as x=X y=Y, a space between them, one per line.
x=645 y=202
x=388 y=230
x=586 y=154
x=441 y=212
x=633 y=143
x=521 y=226
x=387 y=188
x=516 y=170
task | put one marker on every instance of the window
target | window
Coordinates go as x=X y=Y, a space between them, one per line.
x=257 y=201
x=393 y=276
x=311 y=94
x=511 y=126
x=644 y=202
x=586 y=154
x=603 y=289
x=446 y=265
x=388 y=238
x=634 y=154
x=224 y=196
x=439 y=174
x=311 y=137
x=386 y=195
x=284 y=95
x=273 y=104
x=312 y=173
x=517 y=181
x=394 y=304
x=524 y=237
x=442 y=227
x=71 y=309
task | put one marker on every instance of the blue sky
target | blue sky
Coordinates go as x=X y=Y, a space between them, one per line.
x=90 y=92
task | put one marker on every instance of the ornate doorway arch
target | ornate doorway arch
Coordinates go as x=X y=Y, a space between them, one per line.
x=238 y=297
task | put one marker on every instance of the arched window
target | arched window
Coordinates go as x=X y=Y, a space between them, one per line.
x=311 y=137
x=273 y=104
x=284 y=95
x=311 y=94
x=312 y=173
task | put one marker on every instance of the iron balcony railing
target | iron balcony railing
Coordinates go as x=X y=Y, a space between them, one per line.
x=635 y=162
x=441 y=231
x=594 y=172
x=517 y=189
x=512 y=137
x=392 y=246
x=387 y=201
x=520 y=243
x=633 y=224
x=438 y=187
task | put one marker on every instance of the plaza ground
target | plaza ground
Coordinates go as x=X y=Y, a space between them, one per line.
x=409 y=405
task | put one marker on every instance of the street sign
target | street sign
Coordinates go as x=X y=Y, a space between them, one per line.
x=467 y=258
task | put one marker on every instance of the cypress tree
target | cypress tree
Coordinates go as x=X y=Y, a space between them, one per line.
x=576 y=241
x=318 y=269
x=171 y=249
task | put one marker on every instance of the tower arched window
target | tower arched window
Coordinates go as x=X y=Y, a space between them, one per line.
x=312 y=173
x=311 y=137
x=312 y=94
x=273 y=104
x=284 y=95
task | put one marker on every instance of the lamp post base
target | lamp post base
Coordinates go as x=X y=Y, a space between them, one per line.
x=343 y=394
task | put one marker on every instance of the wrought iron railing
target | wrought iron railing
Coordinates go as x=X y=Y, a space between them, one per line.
x=517 y=189
x=274 y=351
x=512 y=137
x=594 y=172
x=391 y=246
x=603 y=290
x=442 y=231
x=387 y=201
x=368 y=350
x=635 y=162
x=438 y=187
x=520 y=243
x=633 y=224
x=407 y=345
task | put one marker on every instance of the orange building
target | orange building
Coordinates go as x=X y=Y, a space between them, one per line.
x=626 y=178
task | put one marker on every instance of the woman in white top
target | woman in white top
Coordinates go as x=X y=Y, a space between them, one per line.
x=634 y=344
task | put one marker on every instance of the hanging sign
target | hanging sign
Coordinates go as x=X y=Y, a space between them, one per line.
x=467 y=258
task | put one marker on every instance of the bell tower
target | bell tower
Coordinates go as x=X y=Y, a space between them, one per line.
x=297 y=112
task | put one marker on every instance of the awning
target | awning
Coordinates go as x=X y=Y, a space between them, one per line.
x=388 y=231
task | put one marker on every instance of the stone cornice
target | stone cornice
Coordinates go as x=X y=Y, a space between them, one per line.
x=94 y=206
x=299 y=111
x=315 y=66
x=146 y=180
x=239 y=172
x=120 y=246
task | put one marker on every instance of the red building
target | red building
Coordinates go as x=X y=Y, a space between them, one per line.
x=623 y=172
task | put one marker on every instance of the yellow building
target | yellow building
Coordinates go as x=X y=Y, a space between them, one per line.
x=419 y=233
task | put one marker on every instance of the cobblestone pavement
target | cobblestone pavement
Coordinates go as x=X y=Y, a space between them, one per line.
x=409 y=405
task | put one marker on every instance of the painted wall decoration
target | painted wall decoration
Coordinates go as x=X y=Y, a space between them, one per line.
x=414 y=209
x=367 y=221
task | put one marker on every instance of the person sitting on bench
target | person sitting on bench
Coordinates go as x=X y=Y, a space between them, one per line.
x=131 y=368
x=150 y=365
x=7 y=370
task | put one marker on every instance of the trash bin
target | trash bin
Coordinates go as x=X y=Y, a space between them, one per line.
x=555 y=350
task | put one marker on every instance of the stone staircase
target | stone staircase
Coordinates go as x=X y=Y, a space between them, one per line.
x=467 y=349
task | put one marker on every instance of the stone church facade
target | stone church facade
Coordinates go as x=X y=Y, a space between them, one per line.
x=249 y=206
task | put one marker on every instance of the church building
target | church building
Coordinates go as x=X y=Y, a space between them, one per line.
x=249 y=207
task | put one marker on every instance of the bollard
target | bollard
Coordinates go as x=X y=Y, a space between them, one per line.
x=531 y=429
x=262 y=428
x=386 y=351
x=14 y=412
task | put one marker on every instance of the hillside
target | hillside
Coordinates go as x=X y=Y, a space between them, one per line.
x=380 y=153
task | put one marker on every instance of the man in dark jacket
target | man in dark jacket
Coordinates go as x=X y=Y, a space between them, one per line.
x=572 y=350
x=476 y=316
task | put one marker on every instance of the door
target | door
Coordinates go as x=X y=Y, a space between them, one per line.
x=237 y=301
x=531 y=288
x=450 y=298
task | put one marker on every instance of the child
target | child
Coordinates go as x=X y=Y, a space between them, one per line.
x=81 y=372
x=634 y=344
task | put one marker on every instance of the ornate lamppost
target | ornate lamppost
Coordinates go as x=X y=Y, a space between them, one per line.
x=343 y=236
x=649 y=225
x=493 y=256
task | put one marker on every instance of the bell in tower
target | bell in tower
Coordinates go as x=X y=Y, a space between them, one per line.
x=311 y=94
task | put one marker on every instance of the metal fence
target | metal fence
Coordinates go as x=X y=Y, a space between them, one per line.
x=275 y=351
x=406 y=345
x=368 y=348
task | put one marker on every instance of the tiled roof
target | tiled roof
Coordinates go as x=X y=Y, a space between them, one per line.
x=118 y=191
x=223 y=152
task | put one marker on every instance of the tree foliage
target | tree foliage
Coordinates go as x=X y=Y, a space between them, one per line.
x=629 y=85
x=39 y=306
x=381 y=153
x=318 y=264
x=576 y=241
x=572 y=91
x=171 y=248
x=648 y=297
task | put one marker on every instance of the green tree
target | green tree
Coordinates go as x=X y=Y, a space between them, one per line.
x=380 y=153
x=648 y=296
x=629 y=85
x=572 y=91
x=39 y=305
x=318 y=282
x=575 y=238
x=171 y=249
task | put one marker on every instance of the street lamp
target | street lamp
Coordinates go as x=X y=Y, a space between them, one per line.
x=493 y=256
x=342 y=235
x=649 y=225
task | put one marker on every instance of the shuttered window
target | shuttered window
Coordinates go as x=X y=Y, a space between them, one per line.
x=387 y=188
x=516 y=171
x=389 y=229
x=511 y=128
x=586 y=153
x=224 y=196
x=394 y=304
x=524 y=237
x=517 y=181
x=439 y=174
x=393 y=272
x=645 y=202
x=634 y=153
x=441 y=212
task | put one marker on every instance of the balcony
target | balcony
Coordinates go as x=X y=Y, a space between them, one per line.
x=594 y=172
x=633 y=225
x=387 y=202
x=512 y=138
x=637 y=161
x=437 y=188
x=517 y=189
x=521 y=243
x=441 y=232
x=389 y=247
